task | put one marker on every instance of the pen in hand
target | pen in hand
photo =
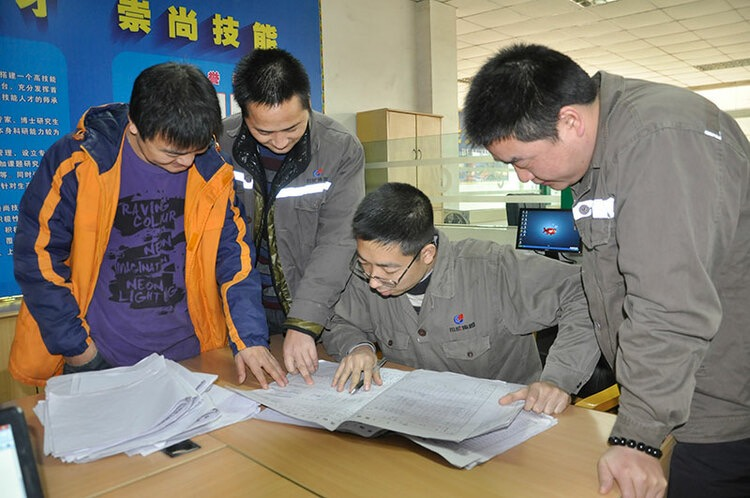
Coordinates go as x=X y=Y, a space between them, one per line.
x=362 y=377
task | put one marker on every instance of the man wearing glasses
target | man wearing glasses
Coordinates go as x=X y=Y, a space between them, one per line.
x=469 y=306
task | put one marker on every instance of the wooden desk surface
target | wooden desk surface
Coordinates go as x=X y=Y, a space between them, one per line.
x=560 y=462
x=267 y=459
x=63 y=480
x=225 y=473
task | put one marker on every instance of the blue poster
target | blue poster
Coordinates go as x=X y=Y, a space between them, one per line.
x=60 y=57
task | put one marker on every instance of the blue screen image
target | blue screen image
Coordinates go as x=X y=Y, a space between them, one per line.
x=547 y=230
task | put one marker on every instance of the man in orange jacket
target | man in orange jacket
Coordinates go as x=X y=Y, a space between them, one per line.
x=130 y=240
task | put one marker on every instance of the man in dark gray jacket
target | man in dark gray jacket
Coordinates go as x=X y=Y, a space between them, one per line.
x=469 y=307
x=661 y=179
x=300 y=176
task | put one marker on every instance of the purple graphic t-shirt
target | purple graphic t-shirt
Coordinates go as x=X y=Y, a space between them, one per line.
x=139 y=304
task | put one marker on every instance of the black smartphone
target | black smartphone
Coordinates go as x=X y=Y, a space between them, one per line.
x=181 y=448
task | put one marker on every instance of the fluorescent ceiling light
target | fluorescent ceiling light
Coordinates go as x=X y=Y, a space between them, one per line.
x=591 y=3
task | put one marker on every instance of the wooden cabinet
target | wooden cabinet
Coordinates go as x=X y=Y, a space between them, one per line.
x=403 y=139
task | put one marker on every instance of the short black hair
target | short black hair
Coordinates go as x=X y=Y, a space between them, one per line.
x=395 y=213
x=177 y=103
x=519 y=92
x=270 y=77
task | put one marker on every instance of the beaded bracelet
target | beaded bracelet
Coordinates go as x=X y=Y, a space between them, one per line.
x=632 y=443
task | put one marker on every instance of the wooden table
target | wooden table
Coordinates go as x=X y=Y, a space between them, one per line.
x=213 y=470
x=258 y=458
x=559 y=462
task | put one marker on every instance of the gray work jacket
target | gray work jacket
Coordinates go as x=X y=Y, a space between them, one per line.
x=481 y=306
x=307 y=214
x=664 y=214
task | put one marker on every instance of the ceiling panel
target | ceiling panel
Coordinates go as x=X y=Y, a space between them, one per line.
x=660 y=40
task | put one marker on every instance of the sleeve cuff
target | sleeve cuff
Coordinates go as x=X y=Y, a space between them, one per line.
x=368 y=344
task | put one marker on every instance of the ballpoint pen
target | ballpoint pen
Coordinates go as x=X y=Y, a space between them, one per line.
x=362 y=377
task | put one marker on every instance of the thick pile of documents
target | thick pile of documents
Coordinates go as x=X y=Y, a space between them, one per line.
x=454 y=415
x=135 y=410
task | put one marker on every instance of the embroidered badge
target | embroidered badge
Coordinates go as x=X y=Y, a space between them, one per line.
x=459 y=321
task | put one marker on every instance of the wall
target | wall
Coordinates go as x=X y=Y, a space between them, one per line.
x=369 y=59
x=398 y=54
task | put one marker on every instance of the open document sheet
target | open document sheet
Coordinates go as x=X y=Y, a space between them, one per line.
x=446 y=406
x=473 y=451
x=434 y=405
x=135 y=410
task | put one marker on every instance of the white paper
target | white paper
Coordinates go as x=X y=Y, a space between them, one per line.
x=137 y=409
x=440 y=405
x=473 y=451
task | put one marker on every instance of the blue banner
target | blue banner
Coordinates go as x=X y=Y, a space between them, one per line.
x=60 y=57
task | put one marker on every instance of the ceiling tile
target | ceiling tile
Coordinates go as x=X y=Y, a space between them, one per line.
x=721 y=35
x=697 y=8
x=463 y=27
x=667 y=3
x=658 y=30
x=545 y=8
x=673 y=39
x=473 y=51
x=709 y=21
x=677 y=47
x=642 y=19
x=658 y=40
x=471 y=7
x=484 y=36
x=622 y=8
x=611 y=38
x=497 y=18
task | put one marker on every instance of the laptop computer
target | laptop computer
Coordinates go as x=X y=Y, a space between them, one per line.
x=17 y=463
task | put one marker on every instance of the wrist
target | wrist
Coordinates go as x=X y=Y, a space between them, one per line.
x=361 y=345
x=83 y=358
x=636 y=445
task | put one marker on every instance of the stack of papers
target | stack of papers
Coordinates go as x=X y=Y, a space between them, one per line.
x=133 y=410
x=454 y=415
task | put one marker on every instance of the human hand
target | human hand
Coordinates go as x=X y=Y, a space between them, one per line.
x=300 y=354
x=361 y=361
x=540 y=397
x=638 y=474
x=259 y=359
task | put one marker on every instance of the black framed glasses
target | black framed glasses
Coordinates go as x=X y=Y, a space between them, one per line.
x=356 y=268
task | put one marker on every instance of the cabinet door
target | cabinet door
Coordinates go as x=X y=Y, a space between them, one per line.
x=429 y=146
x=428 y=132
x=402 y=146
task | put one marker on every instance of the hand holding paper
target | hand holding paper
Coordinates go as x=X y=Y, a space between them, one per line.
x=540 y=397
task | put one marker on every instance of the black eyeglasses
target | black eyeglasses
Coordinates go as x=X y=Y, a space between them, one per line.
x=356 y=267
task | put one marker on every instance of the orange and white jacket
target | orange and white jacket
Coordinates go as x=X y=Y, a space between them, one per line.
x=65 y=219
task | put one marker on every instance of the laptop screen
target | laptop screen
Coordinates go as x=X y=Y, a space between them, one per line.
x=17 y=463
x=547 y=230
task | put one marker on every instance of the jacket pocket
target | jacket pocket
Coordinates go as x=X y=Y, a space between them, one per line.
x=396 y=342
x=467 y=349
x=595 y=231
x=309 y=202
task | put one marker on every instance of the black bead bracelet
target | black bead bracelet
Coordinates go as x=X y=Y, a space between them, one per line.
x=632 y=443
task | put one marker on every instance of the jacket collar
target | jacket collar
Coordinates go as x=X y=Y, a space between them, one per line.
x=245 y=151
x=101 y=130
x=610 y=88
x=443 y=279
